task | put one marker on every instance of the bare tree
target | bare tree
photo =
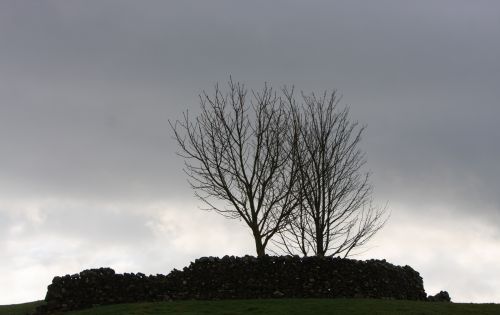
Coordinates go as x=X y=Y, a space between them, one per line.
x=239 y=151
x=335 y=214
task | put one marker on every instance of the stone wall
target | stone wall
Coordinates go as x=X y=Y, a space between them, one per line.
x=239 y=278
x=101 y=286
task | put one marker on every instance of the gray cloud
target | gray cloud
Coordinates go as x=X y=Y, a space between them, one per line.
x=86 y=92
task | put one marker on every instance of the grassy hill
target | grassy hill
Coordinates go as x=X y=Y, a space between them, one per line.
x=276 y=307
x=19 y=309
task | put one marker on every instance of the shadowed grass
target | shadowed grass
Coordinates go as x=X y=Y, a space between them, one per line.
x=276 y=307
x=19 y=309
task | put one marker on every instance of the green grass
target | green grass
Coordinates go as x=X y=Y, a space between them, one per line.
x=277 y=307
x=19 y=309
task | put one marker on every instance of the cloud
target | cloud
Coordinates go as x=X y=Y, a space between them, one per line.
x=65 y=237
x=451 y=252
x=88 y=171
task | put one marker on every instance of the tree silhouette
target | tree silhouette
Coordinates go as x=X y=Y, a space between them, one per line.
x=292 y=173
x=239 y=150
x=335 y=214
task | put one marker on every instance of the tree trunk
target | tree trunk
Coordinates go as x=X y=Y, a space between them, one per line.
x=320 y=250
x=259 y=247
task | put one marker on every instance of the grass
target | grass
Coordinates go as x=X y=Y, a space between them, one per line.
x=276 y=307
x=19 y=309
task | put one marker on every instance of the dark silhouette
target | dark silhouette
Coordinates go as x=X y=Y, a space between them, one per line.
x=335 y=213
x=239 y=151
x=213 y=278
x=289 y=172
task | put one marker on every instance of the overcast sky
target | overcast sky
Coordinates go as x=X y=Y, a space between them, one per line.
x=88 y=171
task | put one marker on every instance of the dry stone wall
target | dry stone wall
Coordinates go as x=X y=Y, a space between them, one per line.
x=239 y=278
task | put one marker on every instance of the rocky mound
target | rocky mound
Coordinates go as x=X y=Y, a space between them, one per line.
x=239 y=278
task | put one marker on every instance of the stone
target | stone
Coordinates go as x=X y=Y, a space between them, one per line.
x=246 y=277
x=442 y=296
